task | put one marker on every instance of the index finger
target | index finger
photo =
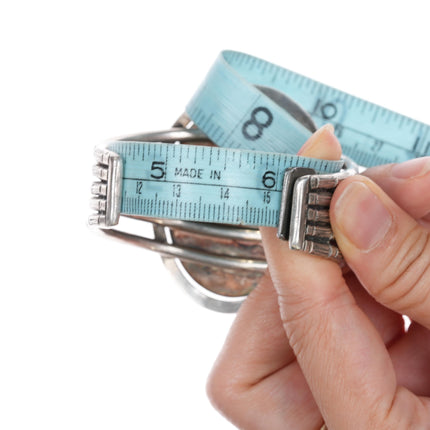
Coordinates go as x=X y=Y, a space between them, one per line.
x=341 y=354
x=339 y=351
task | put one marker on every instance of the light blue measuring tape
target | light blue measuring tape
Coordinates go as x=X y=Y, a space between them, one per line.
x=202 y=183
x=235 y=114
x=242 y=182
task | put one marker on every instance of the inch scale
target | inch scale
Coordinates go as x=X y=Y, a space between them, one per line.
x=242 y=107
x=207 y=184
x=369 y=134
x=238 y=107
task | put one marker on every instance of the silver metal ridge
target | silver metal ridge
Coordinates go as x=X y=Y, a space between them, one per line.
x=218 y=265
x=304 y=216
x=107 y=191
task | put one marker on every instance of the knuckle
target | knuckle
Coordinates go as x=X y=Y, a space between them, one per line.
x=406 y=280
x=234 y=400
x=222 y=392
x=216 y=391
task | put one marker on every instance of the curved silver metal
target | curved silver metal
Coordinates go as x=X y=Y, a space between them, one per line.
x=219 y=230
x=181 y=134
x=201 y=256
x=172 y=135
x=189 y=254
x=218 y=265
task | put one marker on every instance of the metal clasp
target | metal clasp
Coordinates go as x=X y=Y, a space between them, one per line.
x=304 y=216
x=218 y=265
x=107 y=191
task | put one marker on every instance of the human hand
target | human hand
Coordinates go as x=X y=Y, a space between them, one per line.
x=312 y=345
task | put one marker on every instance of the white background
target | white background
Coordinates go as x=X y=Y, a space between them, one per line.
x=94 y=334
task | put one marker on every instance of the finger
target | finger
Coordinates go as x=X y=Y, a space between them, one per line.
x=385 y=247
x=323 y=144
x=257 y=336
x=411 y=359
x=258 y=367
x=257 y=357
x=255 y=381
x=406 y=183
x=330 y=335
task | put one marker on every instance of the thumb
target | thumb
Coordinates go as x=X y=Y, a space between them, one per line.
x=385 y=247
x=330 y=335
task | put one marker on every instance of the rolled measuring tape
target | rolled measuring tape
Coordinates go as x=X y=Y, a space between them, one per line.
x=242 y=182
x=234 y=113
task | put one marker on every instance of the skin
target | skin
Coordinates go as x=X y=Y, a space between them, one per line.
x=313 y=344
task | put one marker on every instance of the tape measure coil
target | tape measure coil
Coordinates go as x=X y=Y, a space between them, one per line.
x=372 y=142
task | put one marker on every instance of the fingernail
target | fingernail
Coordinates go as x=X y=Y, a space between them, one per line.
x=361 y=216
x=411 y=168
x=315 y=140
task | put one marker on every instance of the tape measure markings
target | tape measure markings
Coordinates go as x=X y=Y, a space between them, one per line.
x=243 y=186
x=369 y=133
x=201 y=183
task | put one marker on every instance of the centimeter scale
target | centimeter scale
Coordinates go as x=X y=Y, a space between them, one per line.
x=257 y=114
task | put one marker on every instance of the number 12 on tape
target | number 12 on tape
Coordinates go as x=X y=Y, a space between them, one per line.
x=209 y=184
